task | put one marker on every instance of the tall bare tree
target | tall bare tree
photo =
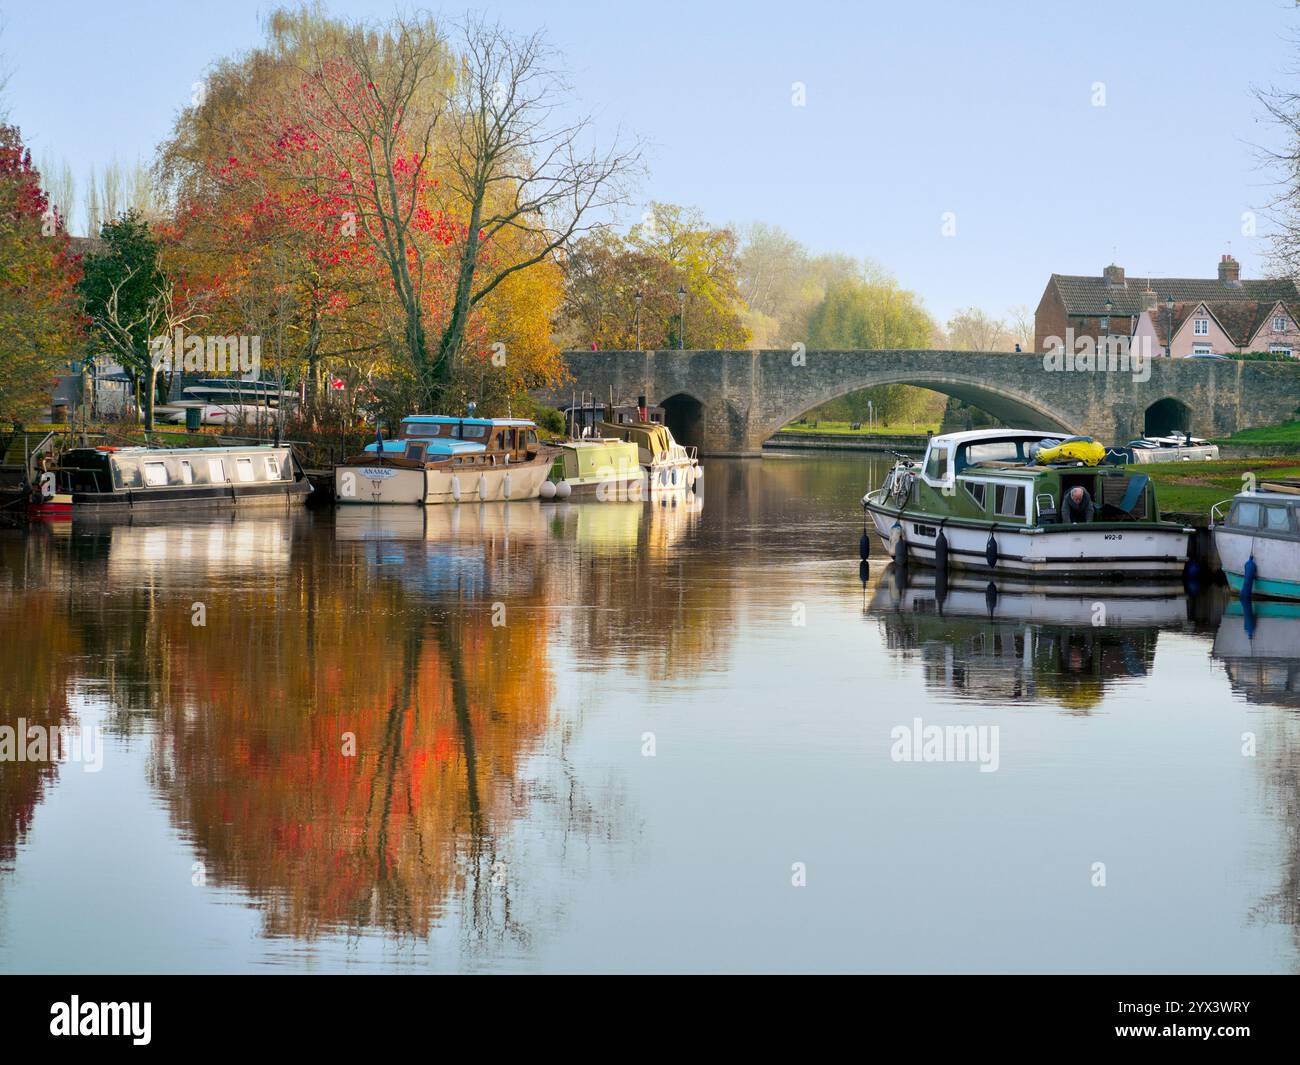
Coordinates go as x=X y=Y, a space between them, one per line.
x=519 y=168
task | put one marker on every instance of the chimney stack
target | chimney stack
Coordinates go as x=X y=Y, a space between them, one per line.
x=1149 y=299
x=1113 y=276
x=1230 y=271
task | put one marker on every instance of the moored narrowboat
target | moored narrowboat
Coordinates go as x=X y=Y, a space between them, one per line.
x=109 y=479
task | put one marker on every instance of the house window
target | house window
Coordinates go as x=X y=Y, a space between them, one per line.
x=1202 y=349
x=1010 y=500
x=1280 y=349
x=1201 y=327
x=1279 y=325
x=977 y=492
x=155 y=473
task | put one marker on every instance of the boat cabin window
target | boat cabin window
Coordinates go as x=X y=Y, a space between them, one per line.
x=126 y=473
x=272 y=468
x=155 y=473
x=977 y=491
x=245 y=469
x=187 y=472
x=424 y=429
x=532 y=436
x=216 y=471
x=1010 y=500
x=1277 y=519
x=937 y=464
x=415 y=452
x=1246 y=515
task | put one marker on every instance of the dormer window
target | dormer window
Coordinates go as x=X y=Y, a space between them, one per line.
x=1279 y=324
x=1201 y=327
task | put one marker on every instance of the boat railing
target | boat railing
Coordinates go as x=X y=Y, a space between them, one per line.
x=1218 y=515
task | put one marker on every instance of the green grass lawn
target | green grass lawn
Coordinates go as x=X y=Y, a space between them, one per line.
x=1194 y=487
x=846 y=429
x=1286 y=433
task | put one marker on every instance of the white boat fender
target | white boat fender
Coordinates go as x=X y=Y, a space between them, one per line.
x=699 y=472
x=991 y=550
x=898 y=544
x=548 y=490
x=563 y=490
x=941 y=553
x=455 y=488
x=505 y=485
x=482 y=486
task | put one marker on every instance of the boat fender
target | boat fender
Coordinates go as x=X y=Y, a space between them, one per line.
x=563 y=490
x=699 y=472
x=941 y=553
x=864 y=571
x=864 y=544
x=1248 y=575
x=548 y=490
x=482 y=486
x=990 y=597
x=991 y=551
x=898 y=545
x=455 y=488
x=505 y=485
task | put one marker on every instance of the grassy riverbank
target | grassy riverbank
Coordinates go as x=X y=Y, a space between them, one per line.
x=1194 y=487
x=1288 y=433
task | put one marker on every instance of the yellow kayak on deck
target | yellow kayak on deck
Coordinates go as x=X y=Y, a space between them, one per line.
x=1078 y=449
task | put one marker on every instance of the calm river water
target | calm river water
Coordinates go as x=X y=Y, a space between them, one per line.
x=629 y=737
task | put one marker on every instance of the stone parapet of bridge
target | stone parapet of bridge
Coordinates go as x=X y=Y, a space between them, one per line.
x=729 y=402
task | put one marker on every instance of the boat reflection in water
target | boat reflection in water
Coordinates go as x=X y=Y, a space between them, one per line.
x=1259 y=646
x=1005 y=641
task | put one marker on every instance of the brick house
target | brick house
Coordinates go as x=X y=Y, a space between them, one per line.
x=1216 y=316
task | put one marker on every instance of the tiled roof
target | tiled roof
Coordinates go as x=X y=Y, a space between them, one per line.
x=1240 y=319
x=1088 y=295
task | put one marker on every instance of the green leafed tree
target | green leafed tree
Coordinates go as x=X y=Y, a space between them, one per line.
x=874 y=312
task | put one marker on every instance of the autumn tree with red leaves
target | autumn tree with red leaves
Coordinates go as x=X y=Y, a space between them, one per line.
x=40 y=324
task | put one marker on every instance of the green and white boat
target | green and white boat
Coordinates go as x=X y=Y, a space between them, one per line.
x=983 y=501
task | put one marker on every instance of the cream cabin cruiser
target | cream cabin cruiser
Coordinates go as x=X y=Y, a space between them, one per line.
x=442 y=459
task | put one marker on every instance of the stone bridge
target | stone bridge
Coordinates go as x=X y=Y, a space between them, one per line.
x=729 y=402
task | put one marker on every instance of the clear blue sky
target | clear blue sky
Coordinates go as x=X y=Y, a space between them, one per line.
x=982 y=109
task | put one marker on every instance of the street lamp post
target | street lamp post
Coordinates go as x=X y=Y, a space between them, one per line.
x=1169 y=326
x=681 y=321
x=637 y=298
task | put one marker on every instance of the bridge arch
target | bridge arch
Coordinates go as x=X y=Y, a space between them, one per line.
x=684 y=416
x=1004 y=403
x=1165 y=416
